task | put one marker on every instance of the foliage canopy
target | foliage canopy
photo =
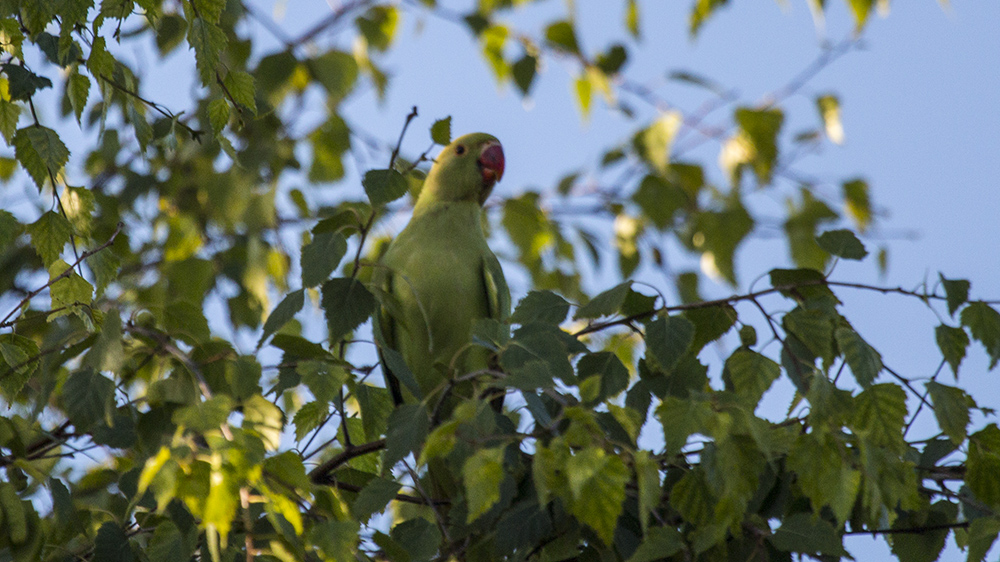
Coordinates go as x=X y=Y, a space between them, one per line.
x=139 y=425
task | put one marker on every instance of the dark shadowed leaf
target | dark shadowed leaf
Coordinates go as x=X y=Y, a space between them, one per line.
x=984 y=323
x=953 y=343
x=951 y=408
x=321 y=256
x=606 y=303
x=808 y=535
x=668 y=339
x=283 y=313
x=384 y=186
x=541 y=306
x=408 y=427
x=346 y=304
x=956 y=292
x=441 y=131
x=842 y=243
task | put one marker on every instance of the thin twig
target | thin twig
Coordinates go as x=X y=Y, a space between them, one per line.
x=321 y=473
x=69 y=271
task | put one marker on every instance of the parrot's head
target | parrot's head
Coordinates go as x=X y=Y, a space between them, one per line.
x=465 y=170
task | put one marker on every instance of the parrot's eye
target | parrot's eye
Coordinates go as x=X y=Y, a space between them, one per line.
x=460 y=150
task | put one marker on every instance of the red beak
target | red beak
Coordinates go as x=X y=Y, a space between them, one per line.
x=491 y=163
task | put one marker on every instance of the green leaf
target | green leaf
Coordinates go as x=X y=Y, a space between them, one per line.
x=857 y=203
x=983 y=465
x=441 y=131
x=21 y=357
x=336 y=71
x=310 y=416
x=218 y=114
x=329 y=142
x=865 y=362
x=612 y=376
x=647 y=475
x=583 y=89
x=956 y=292
x=265 y=419
x=335 y=540
x=208 y=42
x=982 y=534
x=660 y=200
x=660 y=543
x=88 y=397
x=107 y=353
x=652 y=144
x=809 y=535
x=605 y=303
x=282 y=314
x=692 y=498
x=22 y=83
x=167 y=544
x=536 y=354
x=418 y=537
x=702 y=10
x=384 y=186
x=925 y=546
x=41 y=152
x=880 y=415
x=321 y=256
x=861 y=10
x=378 y=25
x=953 y=343
x=482 y=474
x=408 y=427
x=187 y=322
x=112 y=545
x=951 y=408
x=752 y=375
x=211 y=10
x=204 y=416
x=68 y=292
x=984 y=323
x=668 y=339
x=347 y=304
x=681 y=419
x=287 y=467
x=240 y=87
x=597 y=481
x=10 y=112
x=613 y=60
x=49 y=235
x=829 y=111
x=540 y=306
x=632 y=19
x=524 y=72
x=78 y=89
x=822 y=473
x=813 y=328
x=710 y=323
x=761 y=128
x=842 y=243
x=376 y=405
x=373 y=498
x=562 y=36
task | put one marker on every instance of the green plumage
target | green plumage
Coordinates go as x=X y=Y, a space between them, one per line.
x=439 y=276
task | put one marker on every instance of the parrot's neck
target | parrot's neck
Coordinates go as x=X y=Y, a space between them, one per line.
x=450 y=216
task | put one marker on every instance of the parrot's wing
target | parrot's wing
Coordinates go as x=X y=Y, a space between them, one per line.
x=497 y=293
x=385 y=338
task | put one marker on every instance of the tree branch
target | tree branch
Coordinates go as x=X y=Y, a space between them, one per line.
x=69 y=271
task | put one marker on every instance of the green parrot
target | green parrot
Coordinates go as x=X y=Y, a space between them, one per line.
x=439 y=276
